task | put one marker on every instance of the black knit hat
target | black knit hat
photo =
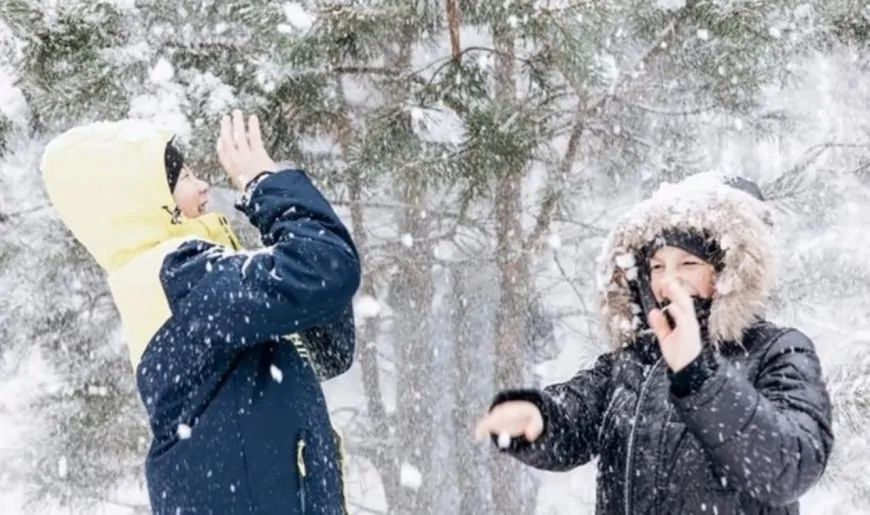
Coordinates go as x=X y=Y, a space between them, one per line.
x=697 y=242
x=693 y=241
x=173 y=162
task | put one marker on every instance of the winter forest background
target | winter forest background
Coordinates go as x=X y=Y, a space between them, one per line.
x=480 y=150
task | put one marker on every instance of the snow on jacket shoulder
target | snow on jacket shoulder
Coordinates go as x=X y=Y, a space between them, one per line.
x=228 y=345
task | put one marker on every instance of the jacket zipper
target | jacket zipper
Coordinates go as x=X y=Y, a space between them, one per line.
x=302 y=470
x=629 y=457
x=658 y=472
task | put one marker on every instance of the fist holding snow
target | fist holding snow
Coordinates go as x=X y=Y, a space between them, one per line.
x=511 y=419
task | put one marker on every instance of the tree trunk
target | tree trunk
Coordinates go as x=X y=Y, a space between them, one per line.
x=412 y=336
x=382 y=456
x=470 y=402
x=509 y=493
x=411 y=300
x=381 y=449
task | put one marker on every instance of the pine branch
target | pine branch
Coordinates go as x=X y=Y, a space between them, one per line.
x=548 y=206
x=797 y=182
x=653 y=50
x=543 y=219
x=663 y=111
x=553 y=12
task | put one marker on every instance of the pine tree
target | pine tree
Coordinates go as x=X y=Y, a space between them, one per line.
x=78 y=62
x=562 y=115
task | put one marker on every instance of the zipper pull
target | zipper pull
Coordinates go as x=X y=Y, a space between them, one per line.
x=300 y=457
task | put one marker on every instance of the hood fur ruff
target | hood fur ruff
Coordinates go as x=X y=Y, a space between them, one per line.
x=703 y=202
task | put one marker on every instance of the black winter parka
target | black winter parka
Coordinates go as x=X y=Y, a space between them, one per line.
x=743 y=431
x=745 y=428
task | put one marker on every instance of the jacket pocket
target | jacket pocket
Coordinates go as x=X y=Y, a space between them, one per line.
x=301 y=472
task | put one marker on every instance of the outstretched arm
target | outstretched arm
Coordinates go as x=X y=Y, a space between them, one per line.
x=571 y=412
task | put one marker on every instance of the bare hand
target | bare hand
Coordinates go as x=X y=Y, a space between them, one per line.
x=512 y=418
x=682 y=344
x=241 y=151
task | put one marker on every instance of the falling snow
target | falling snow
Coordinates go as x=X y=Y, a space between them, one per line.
x=184 y=431
x=410 y=476
x=441 y=255
x=367 y=306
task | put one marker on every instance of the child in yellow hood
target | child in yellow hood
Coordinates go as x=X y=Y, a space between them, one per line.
x=239 y=420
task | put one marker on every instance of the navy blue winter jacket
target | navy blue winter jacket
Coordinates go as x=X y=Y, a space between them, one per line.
x=239 y=419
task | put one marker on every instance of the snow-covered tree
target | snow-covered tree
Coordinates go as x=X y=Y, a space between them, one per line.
x=479 y=150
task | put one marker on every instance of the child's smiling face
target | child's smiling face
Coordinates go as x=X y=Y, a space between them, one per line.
x=695 y=274
x=190 y=194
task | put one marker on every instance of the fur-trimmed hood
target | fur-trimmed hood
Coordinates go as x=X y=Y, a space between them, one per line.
x=736 y=219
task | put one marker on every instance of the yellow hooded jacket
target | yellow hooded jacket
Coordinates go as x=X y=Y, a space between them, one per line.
x=107 y=182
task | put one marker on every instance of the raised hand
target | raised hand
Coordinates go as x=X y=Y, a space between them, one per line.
x=240 y=151
x=681 y=344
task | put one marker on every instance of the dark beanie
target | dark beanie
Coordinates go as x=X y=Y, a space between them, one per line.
x=173 y=161
x=694 y=242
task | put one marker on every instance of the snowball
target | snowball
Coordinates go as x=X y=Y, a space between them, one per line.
x=671 y=5
x=504 y=440
x=277 y=374
x=297 y=15
x=184 y=431
x=625 y=261
x=554 y=242
x=62 y=467
x=367 y=306
x=162 y=71
x=410 y=476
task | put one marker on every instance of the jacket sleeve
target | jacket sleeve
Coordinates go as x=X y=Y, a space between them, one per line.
x=572 y=413
x=305 y=277
x=772 y=439
x=330 y=346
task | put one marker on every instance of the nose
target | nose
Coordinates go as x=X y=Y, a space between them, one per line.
x=203 y=187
